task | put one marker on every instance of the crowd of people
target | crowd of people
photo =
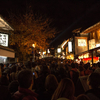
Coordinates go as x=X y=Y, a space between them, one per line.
x=50 y=79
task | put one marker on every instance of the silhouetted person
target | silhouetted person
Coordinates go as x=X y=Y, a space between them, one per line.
x=65 y=90
x=13 y=87
x=25 y=79
x=51 y=84
x=94 y=86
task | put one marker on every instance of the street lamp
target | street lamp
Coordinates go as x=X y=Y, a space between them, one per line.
x=33 y=45
x=58 y=51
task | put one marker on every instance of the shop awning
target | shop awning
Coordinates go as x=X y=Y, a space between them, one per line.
x=4 y=25
x=7 y=52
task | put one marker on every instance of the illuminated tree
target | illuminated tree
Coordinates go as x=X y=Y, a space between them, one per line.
x=29 y=29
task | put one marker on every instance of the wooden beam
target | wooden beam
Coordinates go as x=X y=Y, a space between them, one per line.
x=92 y=28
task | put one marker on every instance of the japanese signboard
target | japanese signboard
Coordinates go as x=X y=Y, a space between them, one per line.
x=4 y=39
x=80 y=44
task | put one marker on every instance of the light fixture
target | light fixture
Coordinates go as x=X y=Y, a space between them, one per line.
x=59 y=50
x=33 y=45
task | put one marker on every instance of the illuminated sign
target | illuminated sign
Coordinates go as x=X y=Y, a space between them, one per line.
x=3 y=39
x=59 y=50
x=48 y=51
x=91 y=44
x=80 y=45
x=82 y=42
x=69 y=46
x=97 y=45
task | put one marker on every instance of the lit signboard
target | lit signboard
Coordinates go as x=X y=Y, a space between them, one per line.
x=48 y=51
x=69 y=46
x=91 y=44
x=81 y=45
x=59 y=50
x=82 y=42
x=4 y=39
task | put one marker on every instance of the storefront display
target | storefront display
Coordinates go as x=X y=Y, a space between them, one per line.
x=71 y=56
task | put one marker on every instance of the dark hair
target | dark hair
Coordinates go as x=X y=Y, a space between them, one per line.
x=73 y=65
x=7 y=64
x=51 y=82
x=13 y=69
x=65 y=89
x=19 y=68
x=25 y=78
x=4 y=80
x=13 y=86
x=86 y=66
x=94 y=80
x=81 y=68
x=98 y=64
x=44 y=70
x=82 y=97
x=2 y=66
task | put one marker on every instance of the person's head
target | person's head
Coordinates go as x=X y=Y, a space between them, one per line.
x=7 y=65
x=81 y=68
x=65 y=89
x=13 y=69
x=97 y=70
x=82 y=97
x=51 y=82
x=13 y=86
x=25 y=78
x=86 y=66
x=43 y=69
x=7 y=73
x=2 y=67
x=94 y=80
x=98 y=64
x=73 y=65
x=4 y=80
x=94 y=65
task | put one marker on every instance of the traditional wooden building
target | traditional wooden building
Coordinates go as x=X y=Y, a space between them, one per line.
x=93 y=34
x=5 y=51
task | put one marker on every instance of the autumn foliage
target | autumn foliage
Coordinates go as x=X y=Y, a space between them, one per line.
x=29 y=29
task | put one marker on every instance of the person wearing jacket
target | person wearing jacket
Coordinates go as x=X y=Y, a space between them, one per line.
x=25 y=79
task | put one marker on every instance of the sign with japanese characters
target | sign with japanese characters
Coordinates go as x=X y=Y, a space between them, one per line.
x=4 y=39
x=81 y=45
x=82 y=42
x=92 y=44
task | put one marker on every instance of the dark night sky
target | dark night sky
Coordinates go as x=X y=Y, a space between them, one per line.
x=62 y=12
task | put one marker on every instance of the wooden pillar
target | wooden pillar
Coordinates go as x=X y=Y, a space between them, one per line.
x=92 y=57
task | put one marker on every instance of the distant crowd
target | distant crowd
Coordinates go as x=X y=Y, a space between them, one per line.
x=50 y=79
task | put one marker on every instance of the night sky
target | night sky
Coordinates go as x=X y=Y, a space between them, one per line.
x=62 y=12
